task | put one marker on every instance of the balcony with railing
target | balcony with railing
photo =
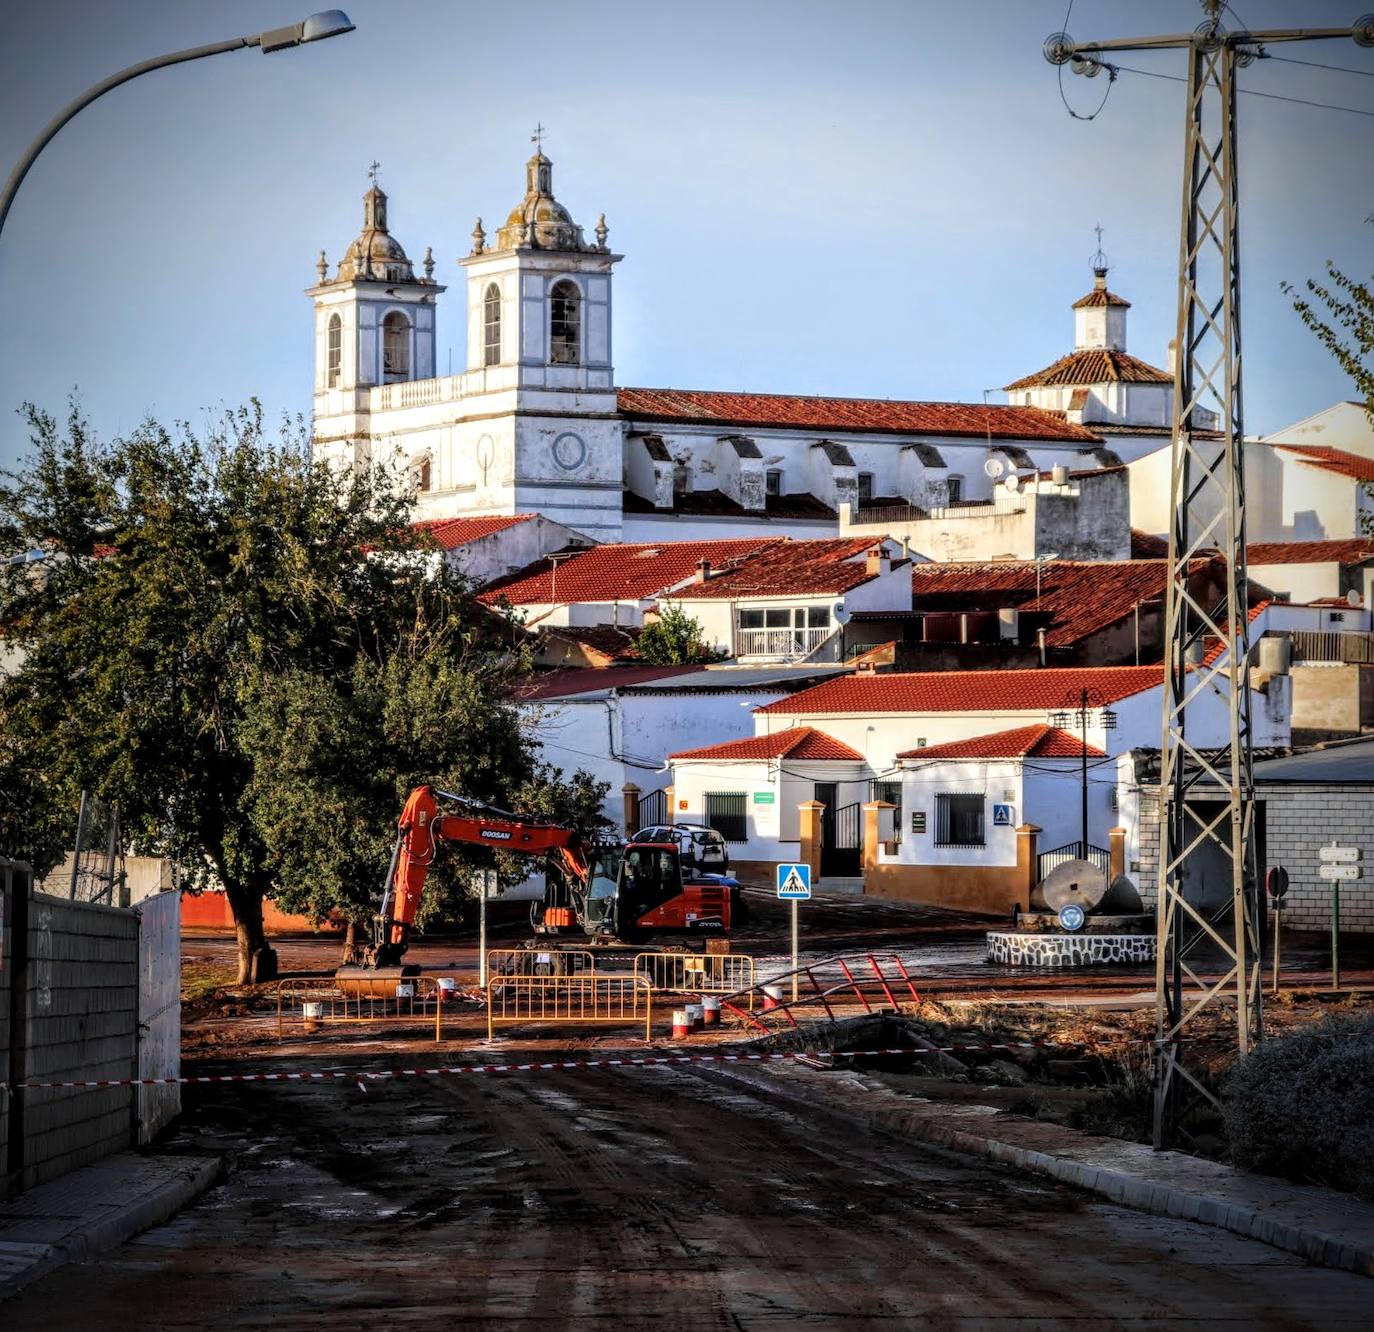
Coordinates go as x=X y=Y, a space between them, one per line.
x=779 y=644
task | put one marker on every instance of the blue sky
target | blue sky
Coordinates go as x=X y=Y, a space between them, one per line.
x=884 y=198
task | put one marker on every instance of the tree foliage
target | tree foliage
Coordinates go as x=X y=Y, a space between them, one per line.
x=674 y=638
x=250 y=653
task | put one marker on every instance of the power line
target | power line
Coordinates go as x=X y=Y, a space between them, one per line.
x=1316 y=64
x=1249 y=92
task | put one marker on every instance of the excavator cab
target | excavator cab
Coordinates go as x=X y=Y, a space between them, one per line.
x=658 y=896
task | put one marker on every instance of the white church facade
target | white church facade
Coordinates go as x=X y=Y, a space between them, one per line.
x=536 y=423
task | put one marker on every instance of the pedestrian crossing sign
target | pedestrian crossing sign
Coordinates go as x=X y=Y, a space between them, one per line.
x=794 y=882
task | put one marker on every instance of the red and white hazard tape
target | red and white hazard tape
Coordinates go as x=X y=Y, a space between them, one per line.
x=451 y=1070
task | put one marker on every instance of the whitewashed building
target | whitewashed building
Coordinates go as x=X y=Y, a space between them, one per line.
x=535 y=421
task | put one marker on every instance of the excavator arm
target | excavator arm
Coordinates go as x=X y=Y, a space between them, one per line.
x=423 y=826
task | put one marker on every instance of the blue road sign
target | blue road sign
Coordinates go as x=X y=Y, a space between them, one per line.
x=794 y=882
x=1002 y=816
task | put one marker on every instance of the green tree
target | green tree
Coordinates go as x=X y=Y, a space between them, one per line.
x=335 y=756
x=674 y=638
x=197 y=590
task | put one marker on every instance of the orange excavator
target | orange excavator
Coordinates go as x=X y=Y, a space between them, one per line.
x=608 y=892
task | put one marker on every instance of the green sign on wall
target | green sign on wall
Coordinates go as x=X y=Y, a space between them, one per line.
x=763 y=797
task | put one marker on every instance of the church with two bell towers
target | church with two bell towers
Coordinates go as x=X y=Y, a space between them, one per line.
x=531 y=424
x=535 y=422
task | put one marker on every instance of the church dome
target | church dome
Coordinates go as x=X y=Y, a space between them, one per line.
x=539 y=221
x=376 y=253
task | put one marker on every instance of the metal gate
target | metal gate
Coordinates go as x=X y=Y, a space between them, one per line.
x=842 y=841
x=652 y=809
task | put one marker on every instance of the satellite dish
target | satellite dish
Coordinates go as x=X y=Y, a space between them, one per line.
x=1075 y=883
x=1353 y=598
x=1012 y=483
x=994 y=467
x=841 y=613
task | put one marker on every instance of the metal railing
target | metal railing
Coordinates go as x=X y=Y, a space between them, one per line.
x=652 y=809
x=1355 y=649
x=617 y=1001
x=1048 y=861
x=540 y=962
x=812 y=986
x=980 y=508
x=696 y=973
x=320 y=1003
x=782 y=643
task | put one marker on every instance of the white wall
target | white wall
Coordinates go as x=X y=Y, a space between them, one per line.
x=1302 y=582
x=500 y=553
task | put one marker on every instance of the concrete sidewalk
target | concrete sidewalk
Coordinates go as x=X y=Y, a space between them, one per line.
x=92 y=1209
x=1327 y=1228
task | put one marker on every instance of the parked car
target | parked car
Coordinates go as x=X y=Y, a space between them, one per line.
x=699 y=846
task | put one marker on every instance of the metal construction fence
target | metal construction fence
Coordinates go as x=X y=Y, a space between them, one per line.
x=696 y=973
x=617 y=1001
x=311 y=1004
x=832 y=985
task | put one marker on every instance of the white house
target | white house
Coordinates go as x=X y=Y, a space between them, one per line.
x=790 y=600
x=487 y=548
x=1307 y=571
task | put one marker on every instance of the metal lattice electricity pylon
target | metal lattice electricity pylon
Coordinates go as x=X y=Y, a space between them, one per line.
x=1207 y=804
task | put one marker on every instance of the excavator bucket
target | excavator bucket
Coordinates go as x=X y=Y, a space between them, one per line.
x=373 y=982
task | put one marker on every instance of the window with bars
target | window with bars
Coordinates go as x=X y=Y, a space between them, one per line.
x=892 y=793
x=727 y=814
x=491 y=325
x=334 y=357
x=565 y=324
x=954 y=486
x=772 y=481
x=959 y=820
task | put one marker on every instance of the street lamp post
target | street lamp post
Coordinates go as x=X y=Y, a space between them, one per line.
x=329 y=23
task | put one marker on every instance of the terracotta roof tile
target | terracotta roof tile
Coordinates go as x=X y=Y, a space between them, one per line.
x=606 y=640
x=1080 y=597
x=801 y=742
x=1352 y=550
x=1095 y=365
x=1101 y=296
x=1213 y=646
x=790 y=568
x=1145 y=546
x=1340 y=461
x=616 y=571
x=451 y=533
x=968 y=691
x=789 y=411
x=1021 y=742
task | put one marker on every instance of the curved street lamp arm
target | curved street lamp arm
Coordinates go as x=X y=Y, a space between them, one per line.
x=46 y=135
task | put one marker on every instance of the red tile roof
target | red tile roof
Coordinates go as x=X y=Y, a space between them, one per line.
x=800 y=743
x=1341 y=461
x=969 y=691
x=616 y=572
x=586 y=679
x=1081 y=597
x=1021 y=742
x=788 y=411
x=1350 y=550
x=1101 y=296
x=790 y=568
x=451 y=533
x=1095 y=365
x=1145 y=546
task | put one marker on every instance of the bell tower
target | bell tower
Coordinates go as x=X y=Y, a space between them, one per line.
x=374 y=320
x=539 y=294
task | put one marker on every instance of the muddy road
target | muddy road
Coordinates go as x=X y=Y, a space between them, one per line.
x=632 y=1198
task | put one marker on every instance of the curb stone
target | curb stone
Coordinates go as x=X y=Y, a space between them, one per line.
x=22 y=1263
x=882 y=1107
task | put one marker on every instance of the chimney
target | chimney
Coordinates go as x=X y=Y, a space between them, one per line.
x=703 y=571
x=877 y=561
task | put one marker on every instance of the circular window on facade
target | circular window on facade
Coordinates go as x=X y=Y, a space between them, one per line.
x=569 y=451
